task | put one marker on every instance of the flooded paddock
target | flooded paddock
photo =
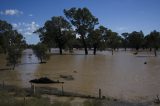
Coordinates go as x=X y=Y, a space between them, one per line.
x=122 y=75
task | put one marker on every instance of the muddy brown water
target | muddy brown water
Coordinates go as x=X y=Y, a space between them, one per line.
x=123 y=75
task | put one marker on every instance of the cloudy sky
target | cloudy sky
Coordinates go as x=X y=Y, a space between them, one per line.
x=119 y=15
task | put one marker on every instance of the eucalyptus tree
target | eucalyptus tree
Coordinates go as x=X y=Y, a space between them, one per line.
x=45 y=38
x=11 y=42
x=97 y=38
x=136 y=39
x=40 y=50
x=125 y=40
x=54 y=32
x=13 y=56
x=14 y=51
x=153 y=40
x=103 y=44
x=70 y=37
x=113 y=40
x=5 y=33
x=83 y=21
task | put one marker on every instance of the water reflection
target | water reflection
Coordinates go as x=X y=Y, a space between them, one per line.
x=27 y=67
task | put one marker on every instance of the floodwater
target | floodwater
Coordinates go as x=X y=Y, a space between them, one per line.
x=123 y=75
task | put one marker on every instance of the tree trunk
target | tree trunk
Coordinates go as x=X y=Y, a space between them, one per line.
x=85 y=45
x=95 y=48
x=41 y=60
x=155 y=52
x=60 y=47
x=150 y=49
x=112 y=51
x=49 y=50
x=60 y=50
x=125 y=49
x=13 y=66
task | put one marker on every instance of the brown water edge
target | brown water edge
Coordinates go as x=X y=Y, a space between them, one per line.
x=123 y=76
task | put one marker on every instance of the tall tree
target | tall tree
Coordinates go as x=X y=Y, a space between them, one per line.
x=114 y=40
x=83 y=20
x=53 y=32
x=136 y=39
x=5 y=33
x=103 y=31
x=70 y=37
x=11 y=42
x=153 y=40
x=125 y=39
x=16 y=45
x=96 y=38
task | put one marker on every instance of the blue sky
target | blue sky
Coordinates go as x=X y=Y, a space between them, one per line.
x=119 y=15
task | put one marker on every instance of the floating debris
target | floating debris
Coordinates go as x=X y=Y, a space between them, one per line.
x=135 y=53
x=74 y=71
x=44 y=80
x=67 y=77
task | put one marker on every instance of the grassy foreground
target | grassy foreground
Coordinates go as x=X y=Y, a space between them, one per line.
x=14 y=96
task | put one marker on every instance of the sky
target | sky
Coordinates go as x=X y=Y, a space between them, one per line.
x=26 y=16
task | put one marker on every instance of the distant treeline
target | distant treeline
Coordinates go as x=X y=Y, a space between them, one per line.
x=62 y=32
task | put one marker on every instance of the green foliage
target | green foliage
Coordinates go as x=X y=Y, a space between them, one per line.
x=153 y=39
x=113 y=40
x=95 y=39
x=136 y=39
x=125 y=40
x=13 y=56
x=83 y=21
x=40 y=51
x=11 y=43
x=55 y=32
x=70 y=37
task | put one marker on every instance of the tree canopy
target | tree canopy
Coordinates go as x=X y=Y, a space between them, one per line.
x=11 y=43
x=55 y=32
x=83 y=21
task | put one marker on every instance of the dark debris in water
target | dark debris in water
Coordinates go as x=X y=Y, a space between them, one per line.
x=44 y=80
x=67 y=77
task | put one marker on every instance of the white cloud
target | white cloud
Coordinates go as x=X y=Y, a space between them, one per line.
x=11 y=12
x=27 y=33
x=121 y=28
x=31 y=15
x=15 y=25
x=26 y=29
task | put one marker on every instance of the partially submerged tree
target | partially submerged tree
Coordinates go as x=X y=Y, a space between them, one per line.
x=53 y=32
x=14 y=50
x=83 y=21
x=13 y=56
x=153 y=41
x=70 y=38
x=125 y=40
x=136 y=39
x=11 y=43
x=40 y=50
x=96 y=38
x=113 y=40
